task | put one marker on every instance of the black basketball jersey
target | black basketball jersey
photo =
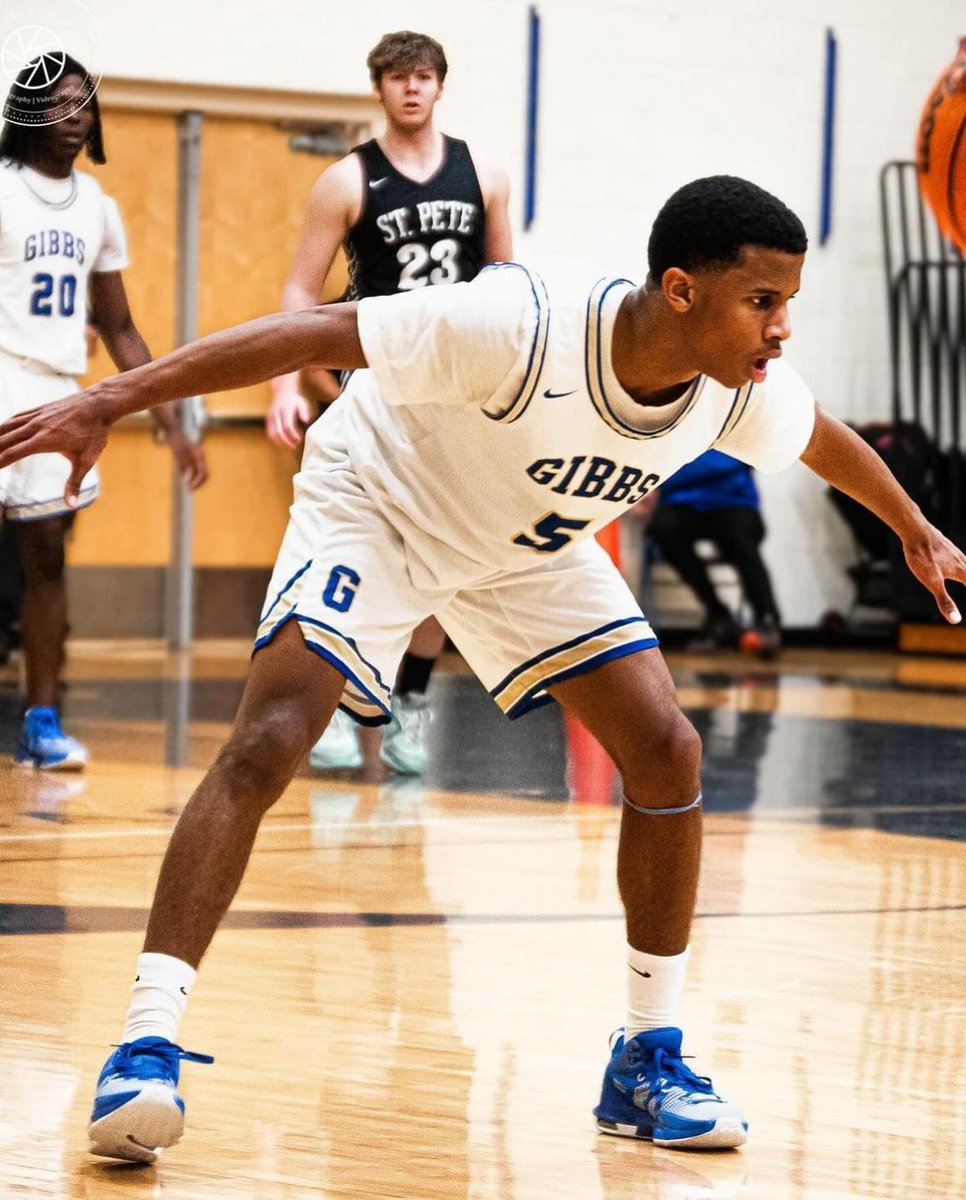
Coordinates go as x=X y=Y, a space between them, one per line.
x=412 y=235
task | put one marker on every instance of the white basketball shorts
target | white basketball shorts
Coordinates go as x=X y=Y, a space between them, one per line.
x=342 y=573
x=34 y=487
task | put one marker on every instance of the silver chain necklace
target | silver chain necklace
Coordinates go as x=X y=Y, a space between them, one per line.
x=55 y=204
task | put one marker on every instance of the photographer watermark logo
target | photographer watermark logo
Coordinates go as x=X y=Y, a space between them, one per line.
x=37 y=43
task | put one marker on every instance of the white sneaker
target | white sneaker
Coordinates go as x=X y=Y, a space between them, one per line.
x=339 y=745
x=404 y=738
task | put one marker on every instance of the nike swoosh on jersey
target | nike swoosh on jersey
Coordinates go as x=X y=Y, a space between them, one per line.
x=377 y=183
x=551 y=395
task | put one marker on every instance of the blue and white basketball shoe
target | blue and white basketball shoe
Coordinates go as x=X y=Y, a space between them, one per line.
x=650 y=1093
x=44 y=744
x=137 y=1109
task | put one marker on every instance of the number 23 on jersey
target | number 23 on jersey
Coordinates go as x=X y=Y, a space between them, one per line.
x=423 y=266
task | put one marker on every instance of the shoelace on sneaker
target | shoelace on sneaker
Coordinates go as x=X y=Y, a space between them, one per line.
x=671 y=1070
x=132 y=1059
x=674 y=1070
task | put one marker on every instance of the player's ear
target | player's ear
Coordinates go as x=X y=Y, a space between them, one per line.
x=678 y=289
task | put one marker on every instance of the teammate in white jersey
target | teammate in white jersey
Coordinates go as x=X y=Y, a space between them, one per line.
x=501 y=422
x=62 y=250
x=413 y=209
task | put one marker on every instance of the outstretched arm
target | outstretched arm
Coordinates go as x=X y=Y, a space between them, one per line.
x=77 y=427
x=112 y=319
x=841 y=458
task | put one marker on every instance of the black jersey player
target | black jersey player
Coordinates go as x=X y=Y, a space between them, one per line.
x=413 y=208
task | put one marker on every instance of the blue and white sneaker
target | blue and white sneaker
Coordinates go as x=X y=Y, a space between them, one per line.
x=43 y=744
x=649 y=1093
x=137 y=1109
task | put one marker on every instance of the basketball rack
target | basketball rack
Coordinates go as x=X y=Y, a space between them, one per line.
x=926 y=298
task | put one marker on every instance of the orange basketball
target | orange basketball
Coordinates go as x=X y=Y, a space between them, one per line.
x=941 y=150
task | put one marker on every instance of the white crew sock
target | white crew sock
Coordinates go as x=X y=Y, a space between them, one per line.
x=159 y=995
x=655 y=984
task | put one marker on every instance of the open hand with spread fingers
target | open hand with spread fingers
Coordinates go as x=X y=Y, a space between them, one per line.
x=933 y=559
x=75 y=427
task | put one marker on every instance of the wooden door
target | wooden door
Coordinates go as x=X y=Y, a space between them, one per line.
x=253 y=194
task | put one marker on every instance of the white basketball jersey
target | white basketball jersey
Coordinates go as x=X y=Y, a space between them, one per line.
x=52 y=237
x=492 y=432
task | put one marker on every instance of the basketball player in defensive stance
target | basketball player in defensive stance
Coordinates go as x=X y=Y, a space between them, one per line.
x=413 y=209
x=62 y=249
x=501 y=422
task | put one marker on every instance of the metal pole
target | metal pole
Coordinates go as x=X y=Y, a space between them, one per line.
x=180 y=580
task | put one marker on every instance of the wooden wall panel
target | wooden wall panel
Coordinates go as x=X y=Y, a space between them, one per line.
x=253 y=194
x=141 y=173
x=240 y=515
x=130 y=525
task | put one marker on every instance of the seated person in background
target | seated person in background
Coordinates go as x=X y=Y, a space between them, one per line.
x=715 y=498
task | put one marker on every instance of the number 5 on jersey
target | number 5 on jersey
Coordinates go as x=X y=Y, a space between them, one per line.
x=551 y=530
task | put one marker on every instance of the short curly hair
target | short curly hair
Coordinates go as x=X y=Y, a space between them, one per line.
x=405 y=51
x=707 y=223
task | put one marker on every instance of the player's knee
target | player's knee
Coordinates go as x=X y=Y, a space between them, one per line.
x=667 y=759
x=263 y=752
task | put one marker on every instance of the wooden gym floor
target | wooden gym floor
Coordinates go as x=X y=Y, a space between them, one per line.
x=413 y=993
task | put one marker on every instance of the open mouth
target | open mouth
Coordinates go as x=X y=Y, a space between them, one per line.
x=759 y=370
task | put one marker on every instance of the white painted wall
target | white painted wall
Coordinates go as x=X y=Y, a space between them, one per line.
x=637 y=97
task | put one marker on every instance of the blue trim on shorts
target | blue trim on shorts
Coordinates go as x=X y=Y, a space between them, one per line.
x=584 y=637
x=352 y=677
x=336 y=662
x=528 y=704
x=349 y=642
x=295 y=578
x=530 y=701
